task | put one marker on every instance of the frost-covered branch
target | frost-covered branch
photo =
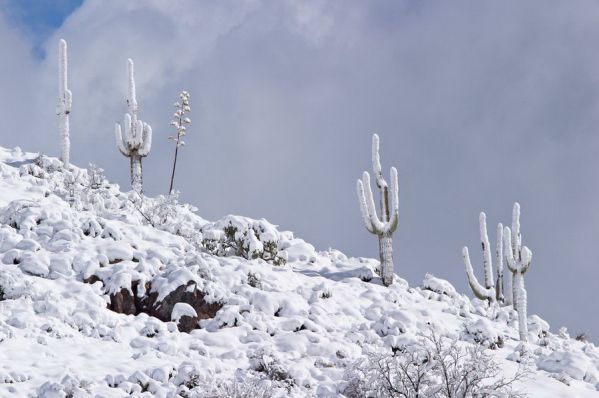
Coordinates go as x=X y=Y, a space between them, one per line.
x=491 y=291
x=135 y=141
x=179 y=121
x=385 y=226
x=65 y=100
x=518 y=261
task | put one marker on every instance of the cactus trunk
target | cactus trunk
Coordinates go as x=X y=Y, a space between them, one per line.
x=136 y=173
x=521 y=306
x=386 y=257
x=65 y=139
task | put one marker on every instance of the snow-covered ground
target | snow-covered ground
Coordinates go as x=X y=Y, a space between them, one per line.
x=72 y=244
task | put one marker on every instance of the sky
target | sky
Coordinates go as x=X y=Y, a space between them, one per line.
x=478 y=105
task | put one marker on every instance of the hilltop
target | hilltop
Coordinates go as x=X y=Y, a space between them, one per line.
x=110 y=294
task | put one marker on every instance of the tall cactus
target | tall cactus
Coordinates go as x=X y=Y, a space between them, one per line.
x=518 y=260
x=491 y=291
x=136 y=140
x=65 y=100
x=387 y=224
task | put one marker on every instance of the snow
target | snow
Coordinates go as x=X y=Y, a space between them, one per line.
x=182 y=309
x=305 y=321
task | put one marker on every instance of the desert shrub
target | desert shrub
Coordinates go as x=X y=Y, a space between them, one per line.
x=243 y=237
x=264 y=361
x=254 y=280
x=432 y=366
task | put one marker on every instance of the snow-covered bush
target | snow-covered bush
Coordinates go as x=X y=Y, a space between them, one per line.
x=246 y=386
x=243 y=237
x=135 y=141
x=483 y=332
x=265 y=361
x=432 y=366
x=95 y=177
x=384 y=226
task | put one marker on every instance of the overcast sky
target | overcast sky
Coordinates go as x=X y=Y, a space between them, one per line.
x=477 y=103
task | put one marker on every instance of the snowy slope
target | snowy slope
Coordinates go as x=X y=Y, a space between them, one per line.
x=311 y=317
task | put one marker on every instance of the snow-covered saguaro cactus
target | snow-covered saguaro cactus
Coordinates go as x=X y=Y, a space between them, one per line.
x=135 y=141
x=491 y=291
x=65 y=100
x=387 y=224
x=518 y=260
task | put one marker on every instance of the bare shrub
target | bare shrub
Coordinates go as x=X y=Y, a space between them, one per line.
x=433 y=366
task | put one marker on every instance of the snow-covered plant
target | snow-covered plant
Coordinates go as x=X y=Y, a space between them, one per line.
x=491 y=291
x=158 y=211
x=238 y=236
x=433 y=366
x=179 y=121
x=384 y=226
x=518 y=260
x=246 y=385
x=65 y=100
x=95 y=176
x=266 y=361
x=135 y=141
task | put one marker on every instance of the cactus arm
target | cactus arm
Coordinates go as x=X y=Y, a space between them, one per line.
x=526 y=259
x=364 y=207
x=374 y=220
x=129 y=133
x=509 y=253
x=499 y=264
x=146 y=142
x=137 y=133
x=119 y=140
x=394 y=216
x=484 y=239
x=479 y=291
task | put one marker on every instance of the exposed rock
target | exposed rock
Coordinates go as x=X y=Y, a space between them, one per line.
x=129 y=302
x=123 y=302
x=188 y=294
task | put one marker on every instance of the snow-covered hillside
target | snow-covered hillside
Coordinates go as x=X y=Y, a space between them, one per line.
x=88 y=272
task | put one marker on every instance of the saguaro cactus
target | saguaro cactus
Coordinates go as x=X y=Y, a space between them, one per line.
x=518 y=260
x=491 y=291
x=65 y=100
x=387 y=224
x=136 y=140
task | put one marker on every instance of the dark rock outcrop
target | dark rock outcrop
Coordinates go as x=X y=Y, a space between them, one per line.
x=131 y=303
